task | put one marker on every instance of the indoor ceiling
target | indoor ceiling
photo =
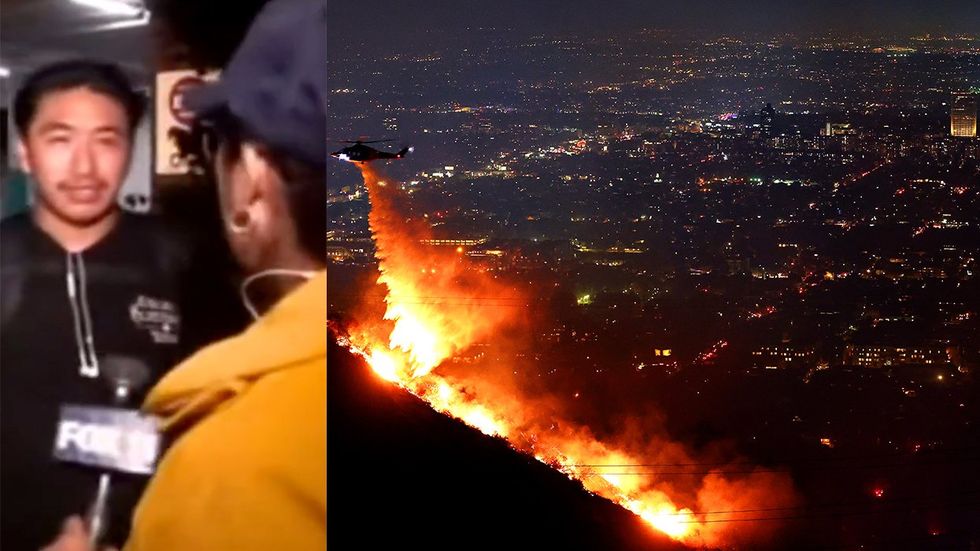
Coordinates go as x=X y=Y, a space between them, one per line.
x=35 y=32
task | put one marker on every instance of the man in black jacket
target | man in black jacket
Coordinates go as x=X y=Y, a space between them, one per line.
x=81 y=280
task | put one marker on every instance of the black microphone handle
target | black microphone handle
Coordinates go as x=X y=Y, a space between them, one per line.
x=98 y=512
x=126 y=375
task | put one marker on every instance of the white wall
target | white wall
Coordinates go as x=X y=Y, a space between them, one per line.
x=140 y=178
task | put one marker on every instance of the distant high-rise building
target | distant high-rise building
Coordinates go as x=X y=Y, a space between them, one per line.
x=963 y=116
x=766 y=117
x=838 y=129
x=871 y=355
x=782 y=356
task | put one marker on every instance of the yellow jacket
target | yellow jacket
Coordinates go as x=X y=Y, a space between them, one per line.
x=248 y=469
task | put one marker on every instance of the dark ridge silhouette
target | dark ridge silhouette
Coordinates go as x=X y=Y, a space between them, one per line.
x=402 y=475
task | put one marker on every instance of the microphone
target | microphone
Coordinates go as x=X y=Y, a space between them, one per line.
x=125 y=376
x=112 y=439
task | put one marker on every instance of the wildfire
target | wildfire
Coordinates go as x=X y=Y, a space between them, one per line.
x=437 y=306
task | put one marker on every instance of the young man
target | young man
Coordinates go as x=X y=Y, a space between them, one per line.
x=79 y=280
x=247 y=415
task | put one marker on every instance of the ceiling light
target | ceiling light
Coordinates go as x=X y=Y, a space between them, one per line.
x=143 y=19
x=113 y=7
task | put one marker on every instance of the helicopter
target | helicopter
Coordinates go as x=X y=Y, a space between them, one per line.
x=360 y=152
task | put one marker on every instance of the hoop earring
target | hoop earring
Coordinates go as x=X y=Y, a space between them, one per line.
x=240 y=222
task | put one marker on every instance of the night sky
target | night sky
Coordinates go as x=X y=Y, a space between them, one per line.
x=399 y=20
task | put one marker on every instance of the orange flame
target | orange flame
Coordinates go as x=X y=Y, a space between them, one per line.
x=436 y=308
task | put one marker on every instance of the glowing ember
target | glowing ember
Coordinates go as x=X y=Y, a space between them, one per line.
x=384 y=365
x=675 y=524
x=437 y=307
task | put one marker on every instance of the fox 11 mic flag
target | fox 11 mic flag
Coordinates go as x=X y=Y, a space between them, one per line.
x=113 y=439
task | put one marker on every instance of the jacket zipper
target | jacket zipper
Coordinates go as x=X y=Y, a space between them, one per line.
x=78 y=298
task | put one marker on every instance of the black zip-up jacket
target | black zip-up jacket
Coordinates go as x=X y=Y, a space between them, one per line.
x=61 y=314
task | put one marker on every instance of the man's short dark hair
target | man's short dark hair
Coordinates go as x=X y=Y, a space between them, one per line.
x=103 y=78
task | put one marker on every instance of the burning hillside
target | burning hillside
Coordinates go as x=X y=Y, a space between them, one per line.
x=438 y=304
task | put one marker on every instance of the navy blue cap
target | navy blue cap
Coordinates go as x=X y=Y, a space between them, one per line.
x=276 y=83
